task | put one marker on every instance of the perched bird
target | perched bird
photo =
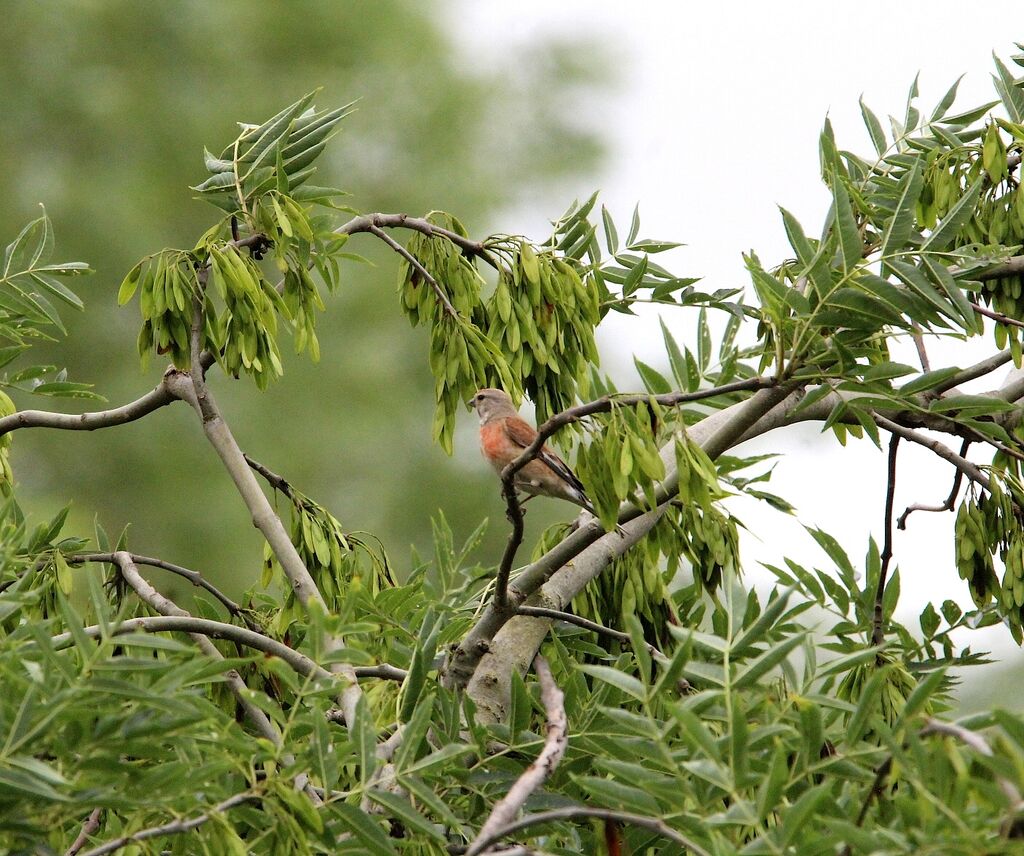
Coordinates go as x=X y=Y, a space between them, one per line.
x=504 y=435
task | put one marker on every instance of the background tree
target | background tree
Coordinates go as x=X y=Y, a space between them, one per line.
x=109 y=129
x=351 y=705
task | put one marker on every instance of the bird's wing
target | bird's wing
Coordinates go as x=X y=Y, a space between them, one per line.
x=522 y=434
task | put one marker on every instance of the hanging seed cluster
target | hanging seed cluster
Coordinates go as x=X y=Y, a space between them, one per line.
x=542 y=316
x=622 y=460
x=897 y=685
x=338 y=562
x=534 y=334
x=258 y=180
x=241 y=333
x=986 y=527
x=981 y=173
x=462 y=358
x=633 y=584
x=6 y=475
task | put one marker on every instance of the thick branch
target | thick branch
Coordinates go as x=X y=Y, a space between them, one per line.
x=263 y=516
x=537 y=773
x=159 y=397
x=1011 y=267
x=175 y=827
x=577 y=812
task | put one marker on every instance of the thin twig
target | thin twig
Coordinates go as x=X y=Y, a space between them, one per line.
x=537 y=773
x=193 y=577
x=277 y=482
x=878 y=623
x=91 y=825
x=922 y=352
x=302 y=664
x=972 y=471
x=175 y=827
x=417 y=265
x=207 y=627
x=874 y=792
x=585 y=623
x=367 y=222
x=947 y=504
x=996 y=316
x=577 y=812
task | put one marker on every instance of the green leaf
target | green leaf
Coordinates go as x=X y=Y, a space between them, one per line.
x=364 y=736
x=946 y=102
x=956 y=218
x=1009 y=91
x=759 y=667
x=399 y=808
x=611 y=235
x=897 y=233
x=874 y=128
x=795 y=820
x=634 y=225
x=850 y=243
x=364 y=827
x=620 y=680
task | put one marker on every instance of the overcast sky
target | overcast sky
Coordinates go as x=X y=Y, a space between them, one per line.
x=716 y=124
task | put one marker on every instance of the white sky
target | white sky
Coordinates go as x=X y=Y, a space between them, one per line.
x=716 y=124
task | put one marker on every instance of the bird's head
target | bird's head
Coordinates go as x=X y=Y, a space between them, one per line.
x=492 y=404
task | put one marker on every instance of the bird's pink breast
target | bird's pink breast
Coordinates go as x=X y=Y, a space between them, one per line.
x=495 y=445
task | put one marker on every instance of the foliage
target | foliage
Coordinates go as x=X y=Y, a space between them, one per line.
x=352 y=705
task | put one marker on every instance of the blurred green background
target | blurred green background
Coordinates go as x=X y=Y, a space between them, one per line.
x=106 y=108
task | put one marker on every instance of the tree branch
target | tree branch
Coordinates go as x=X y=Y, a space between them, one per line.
x=159 y=397
x=585 y=623
x=367 y=222
x=92 y=823
x=996 y=316
x=193 y=577
x=553 y=425
x=175 y=827
x=277 y=482
x=972 y=471
x=576 y=812
x=263 y=516
x=207 y=627
x=878 y=620
x=581 y=556
x=537 y=773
